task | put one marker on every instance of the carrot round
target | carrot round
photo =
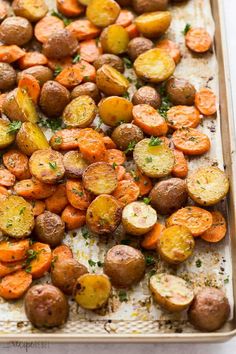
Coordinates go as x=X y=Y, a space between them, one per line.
x=69 y=8
x=8 y=268
x=12 y=251
x=17 y=163
x=61 y=252
x=180 y=168
x=78 y=197
x=91 y=145
x=83 y=29
x=60 y=63
x=125 y=18
x=58 y=201
x=183 y=117
x=191 y=141
x=151 y=238
x=198 y=40
x=73 y=218
x=70 y=77
x=46 y=27
x=41 y=256
x=171 y=48
x=89 y=50
x=87 y=70
x=149 y=120
x=13 y=286
x=142 y=181
x=218 y=229
x=132 y=31
x=10 y=53
x=205 y=101
x=109 y=143
x=120 y=171
x=7 y=179
x=126 y=192
x=32 y=59
x=66 y=139
x=31 y=85
x=38 y=207
x=3 y=193
x=115 y=157
x=34 y=189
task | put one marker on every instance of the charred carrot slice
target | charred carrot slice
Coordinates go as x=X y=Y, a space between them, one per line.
x=83 y=29
x=115 y=157
x=218 y=229
x=191 y=142
x=39 y=259
x=109 y=143
x=13 y=286
x=132 y=31
x=171 y=48
x=38 y=207
x=58 y=201
x=46 y=27
x=61 y=252
x=11 y=251
x=142 y=181
x=70 y=77
x=183 y=117
x=31 y=85
x=205 y=101
x=180 y=168
x=60 y=63
x=198 y=40
x=34 y=189
x=17 y=163
x=149 y=120
x=69 y=8
x=73 y=218
x=126 y=192
x=32 y=59
x=3 y=193
x=120 y=171
x=8 y=268
x=7 y=179
x=151 y=238
x=66 y=139
x=125 y=18
x=91 y=145
x=10 y=53
x=89 y=50
x=78 y=197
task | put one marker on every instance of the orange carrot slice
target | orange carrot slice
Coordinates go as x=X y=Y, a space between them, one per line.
x=58 y=201
x=126 y=192
x=73 y=217
x=78 y=197
x=218 y=229
x=115 y=157
x=83 y=29
x=32 y=59
x=151 y=238
x=191 y=142
x=198 y=40
x=125 y=18
x=46 y=27
x=61 y=252
x=7 y=179
x=41 y=256
x=17 y=163
x=91 y=145
x=149 y=120
x=89 y=50
x=183 y=117
x=205 y=101
x=10 y=53
x=34 y=189
x=13 y=286
x=171 y=48
x=180 y=168
x=69 y=8
x=31 y=85
x=12 y=251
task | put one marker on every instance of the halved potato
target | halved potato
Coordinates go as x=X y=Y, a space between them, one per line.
x=6 y=138
x=171 y=292
x=92 y=291
x=47 y=166
x=155 y=65
x=138 y=218
x=103 y=214
x=16 y=217
x=31 y=138
x=153 y=160
x=111 y=81
x=113 y=110
x=102 y=13
x=153 y=24
x=74 y=164
x=176 y=244
x=80 y=112
x=208 y=185
x=19 y=106
x=100 y=178
x=114 y=39
x=32 y=10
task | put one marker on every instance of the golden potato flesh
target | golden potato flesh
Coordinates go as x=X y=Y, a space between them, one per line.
x=74 y=164
x=114 y=109
x=30 y=138
x=80 y=112
x=111 y=82
x=102 y=13
x=155 y=65
x=6 y=138
x=114 y=39
x=32 y=10
x=153 y=24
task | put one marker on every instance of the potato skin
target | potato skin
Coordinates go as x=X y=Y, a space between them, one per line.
x=74 y=164
x=141 y=6
x=109 y=59
x=65 y=272
x=147 y=95
x=16 y=30
x=138 y=46
x=46 y=306
x=169 y=195
x=125 y=133
x=88 y=89
x=124 y=265
x=209 y=310
x=7 y=77
x=111 y=82
x=49 y=228
x=60 y=44
x=180 y=91
x=53 y=98
x=31 y=138
x=40 y=72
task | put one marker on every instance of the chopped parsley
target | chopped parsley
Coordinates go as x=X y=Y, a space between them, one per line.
x=14 y=126
x=91 y=263
x=126 y=95
x=147 y=200
x=128 y=63
x=31 y=255
x=22 y=210
x=186 y=28
x=130 y=146
x=152 y=272
x=165 y=106
x=148 y=159
x=9 y=223
x=76 y=59
x=123 y=296
x=53 y=124
x=114 y=165
x=149 y=260
x=79 y=193
x=66 y=20
x=53 y=165
x=155 y=141
x=85 y=233
x=198 y=263
x=99 y=264
x=57 y=71
x=58 y=140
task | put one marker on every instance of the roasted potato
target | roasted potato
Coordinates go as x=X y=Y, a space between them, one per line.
x=111 y=82
x=171 y=292
x=126 y=134
x=16 y=30
x=6 y=138
x=124 y=265
x=102 y=13
x=80 y=112
x=53 y=98
x=155 y=65
x=114 y=39
x=32 y=10
x=208 y=185
x=209 y=310
x=180 y=91
x=16 y=217
x=49 y=228
x=103 y=214
x=169 y=195
x=176 y=244
x=138 y=218
x=139 y=45
x=100 y=178
x=153 y=24
x=109 y=59
x=153 y=160
x=40 y=72
x=74 y=164
x=92 y=291
x=30 y=138
x=47 y=166
x=87 y=89
x=19 y=106
x=113 y=110
x=46 y=306
x=7 y=77
x=147 y=95
x=141 y=6
x=65 y=272
x=60 y=44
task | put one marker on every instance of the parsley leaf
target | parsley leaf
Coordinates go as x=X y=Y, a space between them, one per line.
x=128 y=63
x=57 y=71
x=91 y=263
x=149 y=260
x=53 y=124
x=130 y=146
x=66 y=20
x=155 y=141
x=147 y=200
x=186 y=28
x=126 y=95
x=165 y=106
x=85 y=233
x=58 y=140
x=123 y=296
x=76 y=59
x=198 y=263
x=14 y=126
x=52 y=165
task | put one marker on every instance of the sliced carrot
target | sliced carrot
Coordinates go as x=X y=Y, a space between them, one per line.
x=115 y=157
x=41 y=260
x=126 y=192
x=60 y=63
x=83 y=29
x=31 y=85
x=198 y=40
x=66 y=139
x=151 y=238
x=17 y=163
x=218 y=229
x=205 y=101
x=87 y=70
x=12 y=251
x=142 y=181
x=34 y=189
x=73 y=218
x=10 y=53
x=70 y=77
x=125 y=18
x=58 y=201
x=196 y=219
x=191 y=141
x=91 y=145
x=32 y=59
x=78 y=197
x=180 y=168
x=120 y=171
x=183 y=117
x=7 y=179
x=8 y=268
x=69 y=8
x=149 y=120
x=171 y=48
x=3 y=193
x=3 y=10
x=89 y=50
x=2 y=99
x=132 y=31
x=109 y=143
x=61 y=252
x=38 y=207
x=13 y=286
x=46 y=27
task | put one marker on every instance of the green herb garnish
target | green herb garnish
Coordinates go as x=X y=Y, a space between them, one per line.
x=76 y=59
x=57 y=71
x=148 y=159
x=126 y=95
x=58 y=140
x=123 y=296
x=165 y=106
x=149 y=260
x=128 y=63
x=66 y=20
x=147 y=200
x=22 y=210
x=14 y=126
x=155 y=141
x=91 y=263
x=53 y=165
x=198 y=263
x=130 y=146
x=53 y=124
x=186 y=28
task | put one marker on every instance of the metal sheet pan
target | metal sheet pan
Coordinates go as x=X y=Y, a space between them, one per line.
x=139 y=320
